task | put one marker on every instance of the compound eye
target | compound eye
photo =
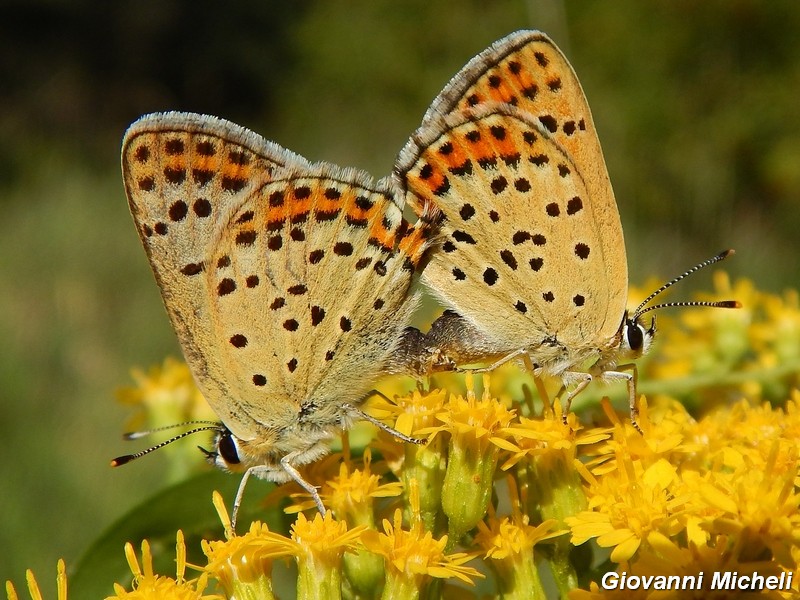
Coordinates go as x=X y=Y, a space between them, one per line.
x=635 y=336
x=227 y=448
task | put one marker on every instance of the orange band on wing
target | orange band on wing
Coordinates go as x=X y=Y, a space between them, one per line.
x=380 y=235
x=415 y=243
x=359 y=210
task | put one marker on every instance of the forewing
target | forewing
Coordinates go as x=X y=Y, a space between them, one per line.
x=522 y=256
x=286 y=282
x=185 y=174
x=528 y=71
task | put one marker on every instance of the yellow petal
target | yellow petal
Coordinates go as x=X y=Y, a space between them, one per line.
x=616 y=537
x=626 y=550
x=659 y=475
x=718 y=499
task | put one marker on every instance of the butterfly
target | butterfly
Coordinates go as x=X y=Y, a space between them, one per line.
x=532 y=265
x=287 y=283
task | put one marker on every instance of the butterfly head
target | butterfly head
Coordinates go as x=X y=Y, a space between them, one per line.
x=635 y=337
x=226 y=454
x=235 y=455
x=196 y=427
x=229 y=453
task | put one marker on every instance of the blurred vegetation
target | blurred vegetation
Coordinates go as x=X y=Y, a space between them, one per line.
x=696 y=104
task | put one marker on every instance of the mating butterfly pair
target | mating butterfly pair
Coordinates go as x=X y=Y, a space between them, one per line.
x=289 y=283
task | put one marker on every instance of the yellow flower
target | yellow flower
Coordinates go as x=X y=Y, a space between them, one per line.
x=667 y=558
x=147 y=585
x=626 y=505
x=670 y=433
x=729 y=480
x=757 y=504
x=704 y=356
x=509 y=542
x=773 y=335
x=351 y=492
x=476 y=429
x=351 y=495
x=319 y=547
x=413 y=556
x=412 y=412
x=415 y=414
x=542 y=457
x=33 y=586
x=512 y=537
x=243 y=564
x=751 y=429
x=547 y=435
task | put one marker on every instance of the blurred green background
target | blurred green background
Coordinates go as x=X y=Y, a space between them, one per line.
x=696 y=104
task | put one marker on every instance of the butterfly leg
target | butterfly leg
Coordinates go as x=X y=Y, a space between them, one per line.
x=290 y=470
x=569 y=377
x=240 y=493
x=286 y=465
x=630 y=374
x=360 y=414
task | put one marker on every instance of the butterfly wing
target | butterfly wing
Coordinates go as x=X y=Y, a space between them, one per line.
x=522 y=256
x=204 y=195
x=527 y=71
x=313 y=292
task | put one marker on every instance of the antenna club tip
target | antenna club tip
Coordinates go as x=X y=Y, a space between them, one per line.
x=726 y=253
x=730 y=304
x=121 y=460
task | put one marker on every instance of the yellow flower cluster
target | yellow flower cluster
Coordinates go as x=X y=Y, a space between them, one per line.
x=163 y=395
x=540 y=504
x=714 y=495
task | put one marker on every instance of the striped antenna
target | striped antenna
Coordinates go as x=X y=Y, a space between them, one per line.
x=121 y=460
x=640 y=310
